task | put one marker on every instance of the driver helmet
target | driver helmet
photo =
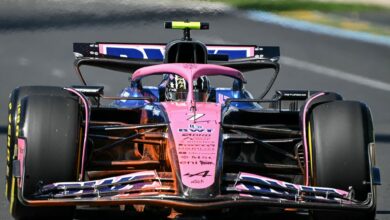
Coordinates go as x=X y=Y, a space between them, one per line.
x=176 y=88
x=202 y=89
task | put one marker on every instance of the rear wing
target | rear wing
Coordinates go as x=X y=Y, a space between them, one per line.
x=128 y=57
x=156 y=52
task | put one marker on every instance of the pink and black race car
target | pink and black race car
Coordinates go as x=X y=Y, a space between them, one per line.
x=184 y=146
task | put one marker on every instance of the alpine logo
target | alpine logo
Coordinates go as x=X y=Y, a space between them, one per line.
x=201 y=174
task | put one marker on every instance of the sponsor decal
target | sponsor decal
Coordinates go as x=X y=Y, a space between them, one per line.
x=200 y=177
x=140 y=176
x=155 y=111
x=197 y=141
x=108 y=190
x=286 y=194
x=278 y=185
x=222 y=98
x=130 y=183
x=134 y=51
x=156 y=52
x=201 y=174
x=196 y=129
x=195 y=117
x=205 y=162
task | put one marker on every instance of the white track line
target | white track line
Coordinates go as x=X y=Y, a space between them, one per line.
x=275 y=19
x=314 y=68
x=326 y=71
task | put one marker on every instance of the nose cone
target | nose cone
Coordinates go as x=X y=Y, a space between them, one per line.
x=196 y=136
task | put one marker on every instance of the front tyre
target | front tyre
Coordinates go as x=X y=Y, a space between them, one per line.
x=50 y=126
x=340 y=134
x=14 y=102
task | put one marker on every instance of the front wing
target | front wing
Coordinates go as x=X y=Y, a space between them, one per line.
x=152 y=188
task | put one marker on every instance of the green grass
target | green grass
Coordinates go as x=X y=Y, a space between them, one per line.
x=318 y=12
x=294 y=5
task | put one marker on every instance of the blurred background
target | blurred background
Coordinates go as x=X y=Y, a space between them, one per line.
x=330 y=45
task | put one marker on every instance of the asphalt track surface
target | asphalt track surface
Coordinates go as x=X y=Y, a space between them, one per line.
x=40 y=53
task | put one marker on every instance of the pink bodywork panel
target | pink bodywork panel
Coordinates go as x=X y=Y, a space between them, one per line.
x=195 y=133
x=305 y=144
x=139 y=47
x=188 y=71
x=196 y=137
x=21 y=153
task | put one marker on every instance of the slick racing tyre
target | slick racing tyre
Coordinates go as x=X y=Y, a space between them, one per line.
x=50 y=126
x=15 y=98
x=339 y=136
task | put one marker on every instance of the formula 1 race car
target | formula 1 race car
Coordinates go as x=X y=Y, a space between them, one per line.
x=184 y=147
